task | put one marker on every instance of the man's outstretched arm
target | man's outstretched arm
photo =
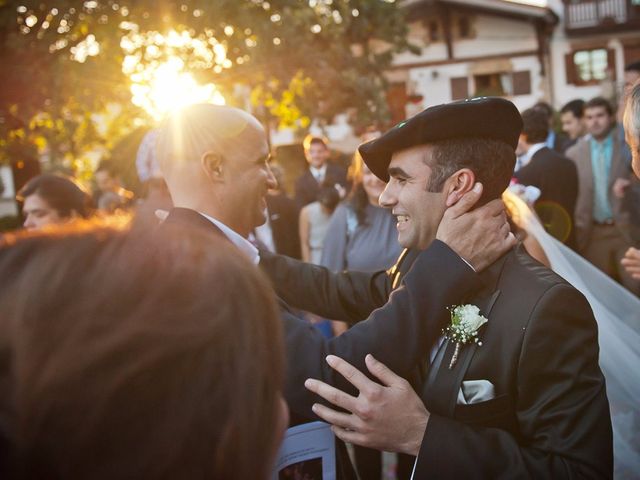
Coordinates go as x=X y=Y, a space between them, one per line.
x=402 y=331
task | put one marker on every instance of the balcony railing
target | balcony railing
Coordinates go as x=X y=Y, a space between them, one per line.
x=602 y=15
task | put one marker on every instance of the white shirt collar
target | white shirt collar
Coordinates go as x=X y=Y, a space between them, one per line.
x=318 y=172
x=238 y=240
x=526 y=158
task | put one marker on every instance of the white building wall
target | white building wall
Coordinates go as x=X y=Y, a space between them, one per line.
x=497 y=36
x=493 y=36
x=564 y=92
x=430 y=51
x=532 y=64
x=434 y=82
x=561 y=45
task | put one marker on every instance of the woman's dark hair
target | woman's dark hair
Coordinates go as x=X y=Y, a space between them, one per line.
x=139 y=355
x=358 y=199
x=61 y=193
x=329 y=197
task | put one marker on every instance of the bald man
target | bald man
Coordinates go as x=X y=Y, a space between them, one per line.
x=215 y=162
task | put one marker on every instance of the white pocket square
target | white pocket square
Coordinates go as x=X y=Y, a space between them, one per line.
x=475 y=391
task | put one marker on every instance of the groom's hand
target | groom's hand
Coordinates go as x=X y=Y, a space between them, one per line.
x=479 y=236
x=388 y=417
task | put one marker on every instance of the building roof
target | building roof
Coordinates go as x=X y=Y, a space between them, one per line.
x=507 y=8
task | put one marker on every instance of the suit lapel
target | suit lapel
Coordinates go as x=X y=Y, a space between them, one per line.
x=443 y=383
x=402 y=266
x=191 y=219
x=586 y=163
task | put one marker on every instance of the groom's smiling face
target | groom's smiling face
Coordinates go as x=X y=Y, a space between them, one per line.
x=417 y=209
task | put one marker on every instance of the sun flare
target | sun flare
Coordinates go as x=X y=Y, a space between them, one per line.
x=166 y=87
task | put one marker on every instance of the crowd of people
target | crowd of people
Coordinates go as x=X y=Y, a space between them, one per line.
x=176 y=343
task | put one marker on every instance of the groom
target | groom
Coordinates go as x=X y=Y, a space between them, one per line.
x=528 y=399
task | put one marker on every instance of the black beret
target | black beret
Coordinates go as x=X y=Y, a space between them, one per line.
x=485 y=117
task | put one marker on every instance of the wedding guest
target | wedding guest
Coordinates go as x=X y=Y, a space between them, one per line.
x=555 y=175
x=554 y=141
x=111 y=195
x=631 y=260
x=279 y=233
x=630 y=77
x=572 y=119
x=172 y=368
x=50 y=199
x=313 y=223
x=362 y=236
x=320 y=173
x=601 y=219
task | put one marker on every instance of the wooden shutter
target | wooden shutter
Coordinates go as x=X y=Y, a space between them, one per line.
x=459 y=88
x=522 y=82
x=611 y=63
x=570 y=69
x=397 y=101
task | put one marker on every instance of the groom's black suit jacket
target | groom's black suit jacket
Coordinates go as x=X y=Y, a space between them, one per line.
x=549 y=417
x=401 y=321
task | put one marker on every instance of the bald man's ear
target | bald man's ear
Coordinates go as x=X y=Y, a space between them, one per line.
x=213 y=166
x=458 y=184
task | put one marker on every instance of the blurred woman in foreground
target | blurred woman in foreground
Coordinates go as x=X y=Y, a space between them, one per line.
x=138 y=355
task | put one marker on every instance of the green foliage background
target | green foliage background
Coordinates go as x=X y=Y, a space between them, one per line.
x=291 y=61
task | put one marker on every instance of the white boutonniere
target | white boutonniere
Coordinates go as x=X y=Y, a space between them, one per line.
x=463 y=329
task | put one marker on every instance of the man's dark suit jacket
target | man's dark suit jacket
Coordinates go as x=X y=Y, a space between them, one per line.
x=413 y=318
x=283 y=218
x=307 y=188
x=549 y=417
x=557 y=178
x=561 y=143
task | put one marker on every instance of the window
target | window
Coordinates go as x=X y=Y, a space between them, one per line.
x=505 y=84
x=464 y=27
x=434 y=31
x=492 y=84
x=589 y=67
x=522 y=83
x=459 y=88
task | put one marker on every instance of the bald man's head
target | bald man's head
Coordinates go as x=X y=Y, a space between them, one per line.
x=188 y=134
x=213 y=159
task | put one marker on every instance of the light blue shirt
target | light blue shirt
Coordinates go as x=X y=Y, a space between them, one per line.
x=601 y=153
x=551 y=139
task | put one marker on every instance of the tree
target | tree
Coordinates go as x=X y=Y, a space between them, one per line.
x=67 y=65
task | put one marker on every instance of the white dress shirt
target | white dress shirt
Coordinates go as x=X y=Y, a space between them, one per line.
x=319 y=173
x=245 y=246
x=525 y=158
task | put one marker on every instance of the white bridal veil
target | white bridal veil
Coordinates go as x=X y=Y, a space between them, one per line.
x=617 y=312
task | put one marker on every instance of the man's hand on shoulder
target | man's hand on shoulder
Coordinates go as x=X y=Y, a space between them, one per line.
x=388 y=417
x=479 y=236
